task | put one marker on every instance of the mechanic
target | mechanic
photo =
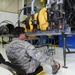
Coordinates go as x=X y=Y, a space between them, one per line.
x=26 y=56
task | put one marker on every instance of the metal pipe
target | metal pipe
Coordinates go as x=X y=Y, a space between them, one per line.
x=48 y=1
x=19 y=13
x=32 y=7
x=59 y=1
x=32 y=11
x=48 y=5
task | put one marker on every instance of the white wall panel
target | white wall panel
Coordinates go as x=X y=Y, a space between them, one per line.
x=9 y=10
x=9 y=5
x=8 y=16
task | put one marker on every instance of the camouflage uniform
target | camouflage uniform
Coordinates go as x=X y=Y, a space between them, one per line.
x=26 y=55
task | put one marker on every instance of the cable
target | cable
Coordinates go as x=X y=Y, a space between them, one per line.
x=19 y=12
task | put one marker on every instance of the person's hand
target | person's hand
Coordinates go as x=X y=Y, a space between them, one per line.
x=48 y=28
x=60 y=27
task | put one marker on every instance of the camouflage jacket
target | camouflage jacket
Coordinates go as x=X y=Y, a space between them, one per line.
x=25 y=55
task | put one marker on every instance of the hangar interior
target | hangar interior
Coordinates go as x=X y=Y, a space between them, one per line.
x=37 y=16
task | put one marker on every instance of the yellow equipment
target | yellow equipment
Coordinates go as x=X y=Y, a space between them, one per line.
x=29 y=25
x=43 y=19
x=41 y=73
x=39 y=21
x=42 y=2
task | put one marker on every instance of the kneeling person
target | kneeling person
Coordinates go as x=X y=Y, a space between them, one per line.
x=26 y=56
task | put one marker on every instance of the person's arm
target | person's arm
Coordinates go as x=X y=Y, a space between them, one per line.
x=38 y=55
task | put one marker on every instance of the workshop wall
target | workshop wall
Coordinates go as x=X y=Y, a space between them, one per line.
x=9 y=5
x=8 y=16
x=9 y=10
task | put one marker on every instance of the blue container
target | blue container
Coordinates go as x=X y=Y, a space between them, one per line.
x=70 y=41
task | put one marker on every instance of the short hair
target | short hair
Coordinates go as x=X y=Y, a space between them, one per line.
x=17 y=31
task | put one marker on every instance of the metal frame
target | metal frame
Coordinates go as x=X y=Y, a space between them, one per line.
x=64 y=50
